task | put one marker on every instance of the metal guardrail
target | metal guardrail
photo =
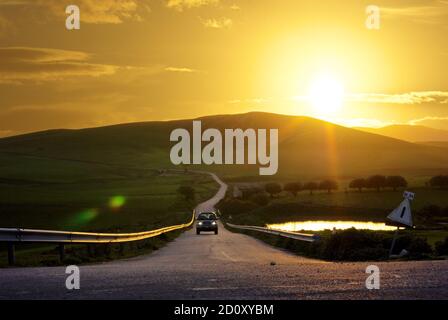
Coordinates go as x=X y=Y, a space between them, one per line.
x=13 y=236
x=50 y=236
x=285 y=234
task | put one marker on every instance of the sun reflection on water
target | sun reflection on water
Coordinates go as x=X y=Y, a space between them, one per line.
x=330 y=225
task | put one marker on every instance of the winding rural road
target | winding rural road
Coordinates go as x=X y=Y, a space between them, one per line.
x=227 y=266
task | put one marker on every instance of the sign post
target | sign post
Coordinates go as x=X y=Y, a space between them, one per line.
x=401 y=217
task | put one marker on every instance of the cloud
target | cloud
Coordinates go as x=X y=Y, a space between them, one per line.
x=109 y=11
x=181 y=70
x=187 y=4
x=430 y=121
x=217 y=23
x=364 y=122
x=255 y=100
x=403 y=98
x=92 y=11
x=414 y=11
x=20 y=64
x=427 y=13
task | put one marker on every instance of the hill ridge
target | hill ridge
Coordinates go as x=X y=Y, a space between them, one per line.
x=306 y=146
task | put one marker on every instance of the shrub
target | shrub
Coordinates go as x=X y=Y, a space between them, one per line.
x=429 y=212
x=235 y=206
x=73 y=260
x=395 y=182
x=261 y=199
x=310 y=186
x=293 y=188
x=442 y=247
x=328 y=185
x=362 y=245
x=369 y=253
x=376 y=182
x=354 y=245
x=440 y=181
x=247 y=193
x=358 y=184
x=273 y=188
x=419 y=248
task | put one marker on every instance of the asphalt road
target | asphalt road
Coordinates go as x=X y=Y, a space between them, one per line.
x=227 y=266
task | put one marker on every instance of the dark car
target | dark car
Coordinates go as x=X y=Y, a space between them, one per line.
x=207 y=221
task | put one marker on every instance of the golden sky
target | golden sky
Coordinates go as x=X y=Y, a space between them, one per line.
x=138 y=60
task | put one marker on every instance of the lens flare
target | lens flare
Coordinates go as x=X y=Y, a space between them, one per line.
x=84 y=217
x=117 y=202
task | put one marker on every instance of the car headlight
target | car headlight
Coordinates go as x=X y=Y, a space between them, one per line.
x=214 y=223
x=200 y=223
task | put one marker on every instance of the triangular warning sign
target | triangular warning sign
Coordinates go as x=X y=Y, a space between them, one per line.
x=402 y=215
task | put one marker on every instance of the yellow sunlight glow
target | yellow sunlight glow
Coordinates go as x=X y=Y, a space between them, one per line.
x=329 y=225
x=326 y=94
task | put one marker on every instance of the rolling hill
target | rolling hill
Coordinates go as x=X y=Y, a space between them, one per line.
x=307 y=147
x=410 y=133
x=439 y=144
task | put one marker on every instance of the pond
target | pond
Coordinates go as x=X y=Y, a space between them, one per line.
x=314 y=225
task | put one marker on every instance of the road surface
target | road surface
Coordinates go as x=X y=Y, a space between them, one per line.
x=227 y=266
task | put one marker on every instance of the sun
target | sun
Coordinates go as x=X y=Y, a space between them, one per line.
x=326 y=94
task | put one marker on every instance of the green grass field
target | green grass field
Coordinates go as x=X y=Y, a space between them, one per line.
x=107 y=179
x=69 y=195
x=148 y=201
x=368 y=205
x=356 y=206
x=386 y=199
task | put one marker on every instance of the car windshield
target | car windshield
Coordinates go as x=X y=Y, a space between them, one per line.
x=207 y=216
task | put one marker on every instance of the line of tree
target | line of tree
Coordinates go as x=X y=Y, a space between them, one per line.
x=294 y=188
x=378 y=182
x=432 y=212
x=440 y=181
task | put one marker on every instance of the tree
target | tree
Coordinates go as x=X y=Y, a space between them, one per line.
x=358 y=184
x=328 y=185
x=273 y=188
x=429 y=212
x=188 y=192
x=311 y=186
x=439 y=181
x=395 y=182
x=262 y=199
x=293 y=188
x=376 y=182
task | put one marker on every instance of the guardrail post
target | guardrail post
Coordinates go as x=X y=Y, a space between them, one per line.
x=90 y=250
x=11 y=254
x=61 y=250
